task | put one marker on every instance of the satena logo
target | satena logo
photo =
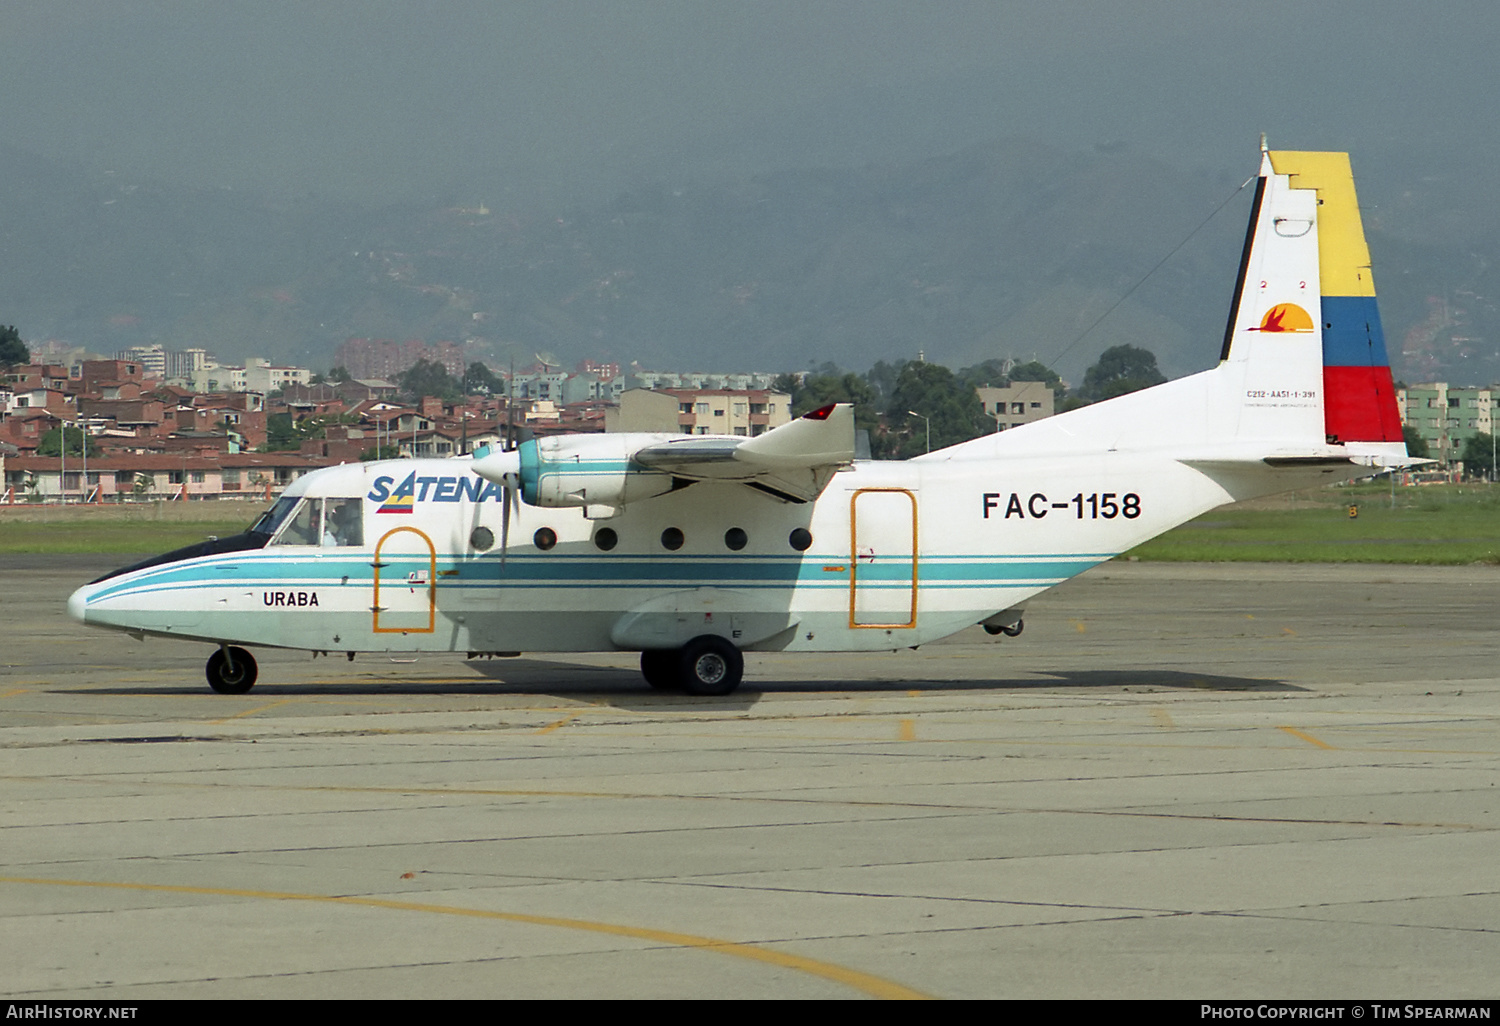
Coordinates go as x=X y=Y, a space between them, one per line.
x=1285 y=317
x=404 y=496
x=401 y=500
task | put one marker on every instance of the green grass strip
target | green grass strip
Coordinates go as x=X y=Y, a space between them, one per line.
x=1440 y=526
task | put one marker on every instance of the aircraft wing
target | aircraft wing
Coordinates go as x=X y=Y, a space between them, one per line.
x=603 y=473
x=794 y=461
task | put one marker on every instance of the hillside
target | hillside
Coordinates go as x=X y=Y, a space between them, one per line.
x=1010 y=248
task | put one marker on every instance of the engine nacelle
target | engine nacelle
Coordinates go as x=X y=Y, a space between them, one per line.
x=589 y=471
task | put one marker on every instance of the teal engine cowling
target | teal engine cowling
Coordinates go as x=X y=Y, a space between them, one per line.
x=596 y=472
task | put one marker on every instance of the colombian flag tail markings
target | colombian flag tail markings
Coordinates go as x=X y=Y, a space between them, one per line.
x=1359 y=397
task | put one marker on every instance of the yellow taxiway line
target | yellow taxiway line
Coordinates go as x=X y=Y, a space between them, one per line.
x=874 y=986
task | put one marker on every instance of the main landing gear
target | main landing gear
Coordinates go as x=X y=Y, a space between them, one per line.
x=231 y=670
x=707 y=665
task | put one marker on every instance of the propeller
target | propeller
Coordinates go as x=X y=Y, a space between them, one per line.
x=503 y=468
x=510 y=485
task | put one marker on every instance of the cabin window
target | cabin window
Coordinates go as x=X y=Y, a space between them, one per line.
x=672 y=538
x=544 y=538
x=735 y=538
x=482 y=538
x=605 y=539
x=800 y=539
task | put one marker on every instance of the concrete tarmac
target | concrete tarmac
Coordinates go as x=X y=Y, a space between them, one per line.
x=1182 y=781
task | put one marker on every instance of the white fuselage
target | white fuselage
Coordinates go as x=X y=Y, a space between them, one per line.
x=900 y=554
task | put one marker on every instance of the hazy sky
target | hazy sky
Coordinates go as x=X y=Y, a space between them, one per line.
x=484 y=99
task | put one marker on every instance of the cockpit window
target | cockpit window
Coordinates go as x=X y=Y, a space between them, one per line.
x=327 y=523
x=345 y=520
x=305 y=525
x=273 y=518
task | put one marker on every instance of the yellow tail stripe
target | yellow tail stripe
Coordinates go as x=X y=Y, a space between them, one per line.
x=1343 y=256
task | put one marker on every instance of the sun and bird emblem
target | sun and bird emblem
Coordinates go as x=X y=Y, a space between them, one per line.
x=1285 y=317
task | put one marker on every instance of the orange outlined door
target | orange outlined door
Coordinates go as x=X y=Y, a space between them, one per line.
x=405 y=583
x=883 y=558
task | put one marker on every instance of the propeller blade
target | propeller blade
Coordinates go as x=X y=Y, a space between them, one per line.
x=506 y=491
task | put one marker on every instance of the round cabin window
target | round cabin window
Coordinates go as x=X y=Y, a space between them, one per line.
x=735 y=538
x=800 y=539
x=672 y=539
x=544 y=538
x=605 y=539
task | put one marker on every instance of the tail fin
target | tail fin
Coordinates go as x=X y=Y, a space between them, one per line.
x=1303 y=376
x=1306 y=275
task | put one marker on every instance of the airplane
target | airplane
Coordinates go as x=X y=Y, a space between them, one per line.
x=693 y=550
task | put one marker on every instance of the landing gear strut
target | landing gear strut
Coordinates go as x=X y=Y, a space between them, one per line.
x=231 y=670
x=707 y=665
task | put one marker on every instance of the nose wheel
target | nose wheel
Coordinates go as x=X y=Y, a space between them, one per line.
x=231 y=670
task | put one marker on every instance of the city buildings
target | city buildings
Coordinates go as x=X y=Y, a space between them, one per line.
x=1020 y=403
x=1447 y=416
x=700 y=412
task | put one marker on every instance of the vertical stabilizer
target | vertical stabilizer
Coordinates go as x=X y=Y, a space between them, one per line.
x=1303 y=375
x=1271 y=345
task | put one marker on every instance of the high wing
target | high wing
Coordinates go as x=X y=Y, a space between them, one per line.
x=603 y=473
x=794 y=461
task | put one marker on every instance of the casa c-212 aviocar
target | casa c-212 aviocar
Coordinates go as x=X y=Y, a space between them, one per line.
x=692 y=550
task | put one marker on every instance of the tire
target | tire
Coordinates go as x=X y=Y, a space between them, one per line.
x=659 y=667
x=709 y=665
x=227 y=681
x=1014 y=630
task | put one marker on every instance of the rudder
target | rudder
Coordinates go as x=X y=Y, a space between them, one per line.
x=1359 y=397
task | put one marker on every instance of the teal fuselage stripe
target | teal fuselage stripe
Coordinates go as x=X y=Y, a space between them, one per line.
x=591 y=571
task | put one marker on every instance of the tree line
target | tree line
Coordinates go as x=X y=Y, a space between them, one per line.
x=907 y=407
x=901 y=405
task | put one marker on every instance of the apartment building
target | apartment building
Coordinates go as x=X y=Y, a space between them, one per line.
x=1446 y=416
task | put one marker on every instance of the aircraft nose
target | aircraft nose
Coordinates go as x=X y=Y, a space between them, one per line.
x=78 y=603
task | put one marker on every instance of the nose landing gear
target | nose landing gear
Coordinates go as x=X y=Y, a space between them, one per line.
x=231 y=670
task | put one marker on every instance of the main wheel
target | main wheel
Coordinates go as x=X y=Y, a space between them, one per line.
x=709 y=665
x=232 y=675
x=659 y=667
